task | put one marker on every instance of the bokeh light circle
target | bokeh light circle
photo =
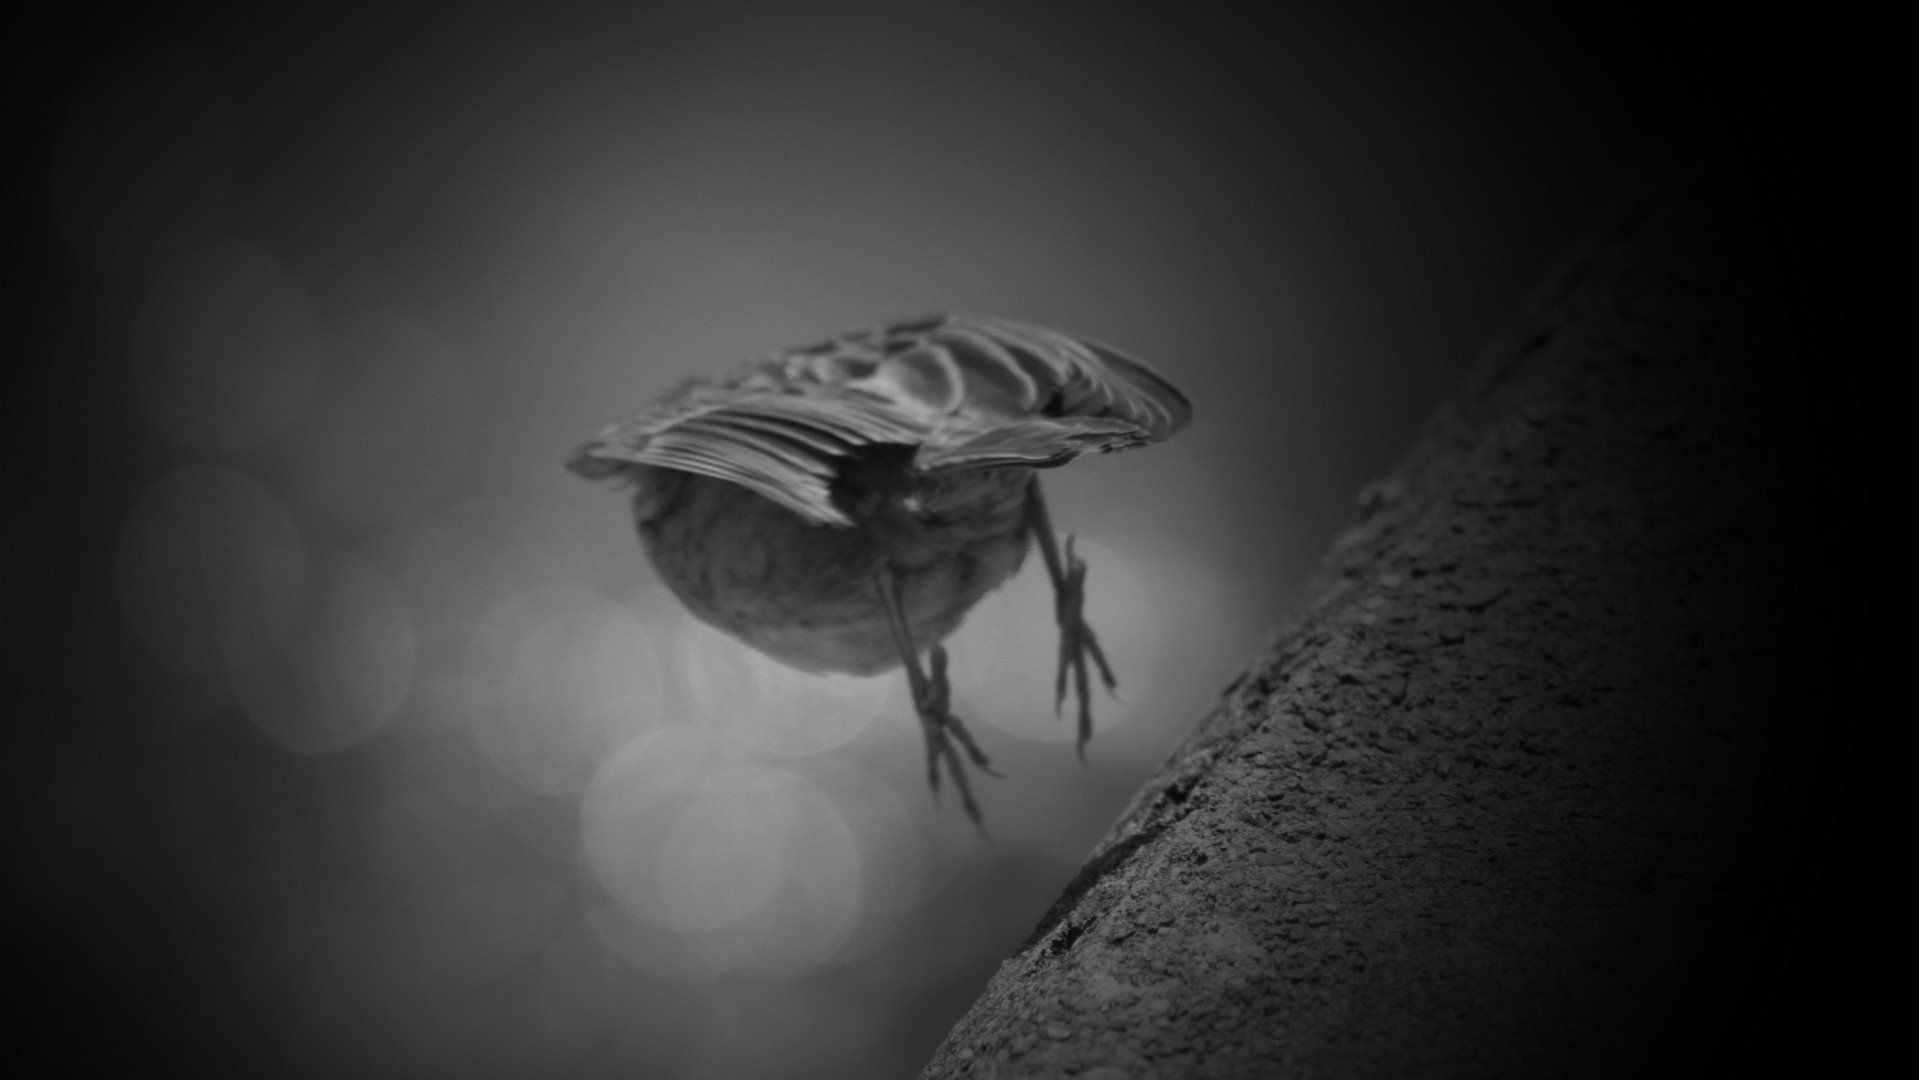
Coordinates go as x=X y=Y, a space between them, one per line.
x=889 y=833
x=211 y=570
x=739 y=865
x=627 y=807
x=774 y=708
x=556 y=679
x=343 y=667
x=720 y=859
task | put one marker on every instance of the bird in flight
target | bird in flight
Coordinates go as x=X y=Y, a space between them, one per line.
x=841 y=506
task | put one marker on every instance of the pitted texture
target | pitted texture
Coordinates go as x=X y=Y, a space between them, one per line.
x=1530 y=785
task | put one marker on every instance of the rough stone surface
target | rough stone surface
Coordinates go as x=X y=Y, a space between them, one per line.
x=1515 y=788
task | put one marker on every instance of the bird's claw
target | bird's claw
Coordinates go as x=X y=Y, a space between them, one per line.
x=1077 y=644
x=942 y=730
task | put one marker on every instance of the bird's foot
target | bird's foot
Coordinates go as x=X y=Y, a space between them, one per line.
x=942 y=729
x=932 y=701
x=1077 y=644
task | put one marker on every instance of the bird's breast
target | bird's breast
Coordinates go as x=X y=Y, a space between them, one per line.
x=805 y=593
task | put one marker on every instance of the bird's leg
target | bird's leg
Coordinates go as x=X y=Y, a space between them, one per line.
x=932 y=697
x=1077 y=641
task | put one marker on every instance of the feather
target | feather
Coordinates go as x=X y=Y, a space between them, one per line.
x=966 y=391
x=1038 y=444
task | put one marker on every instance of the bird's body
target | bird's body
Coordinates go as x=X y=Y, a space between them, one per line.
x=840 y=507
x=803 y=592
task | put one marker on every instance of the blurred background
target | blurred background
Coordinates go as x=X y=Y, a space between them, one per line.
x=350 y=735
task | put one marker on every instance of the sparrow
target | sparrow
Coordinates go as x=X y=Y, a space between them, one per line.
x=841 y=506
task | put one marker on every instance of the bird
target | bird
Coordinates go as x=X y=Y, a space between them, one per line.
x=841 y=506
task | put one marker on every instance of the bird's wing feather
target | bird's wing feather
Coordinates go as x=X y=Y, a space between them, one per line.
x=1038 y=444
x=969 y=392
x=969 y=373
x=786 y=446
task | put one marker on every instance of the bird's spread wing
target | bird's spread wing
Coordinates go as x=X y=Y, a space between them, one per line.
x=968 y=392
